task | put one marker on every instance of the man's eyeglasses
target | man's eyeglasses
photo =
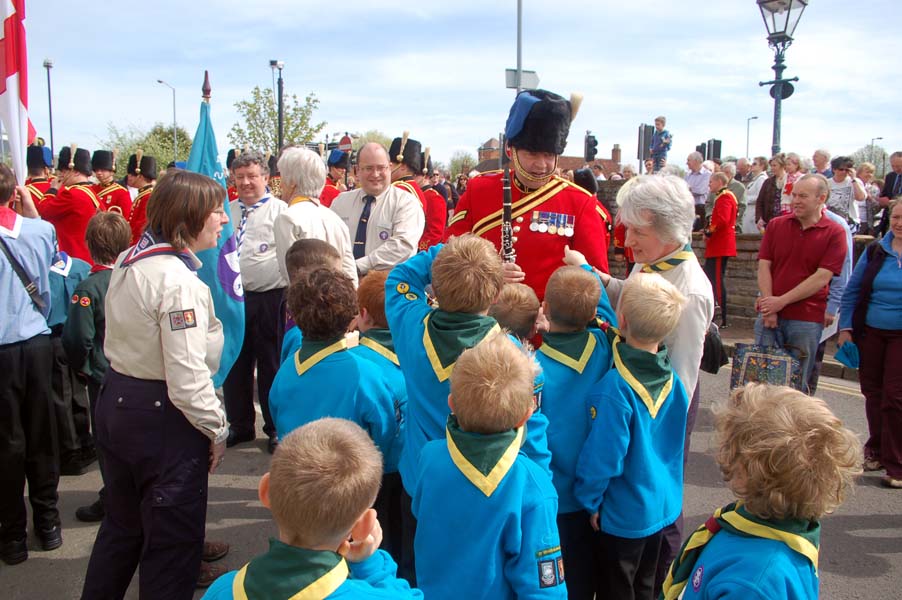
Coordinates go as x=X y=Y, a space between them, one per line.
x=370 y=169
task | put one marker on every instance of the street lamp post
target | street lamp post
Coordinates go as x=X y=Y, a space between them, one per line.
x=748 y=123
x=278 y=64
x=780 y=18
x=872 y=147
x=175 y=136
x=48 y=64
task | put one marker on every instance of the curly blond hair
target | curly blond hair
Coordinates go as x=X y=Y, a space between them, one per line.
x=785 y=454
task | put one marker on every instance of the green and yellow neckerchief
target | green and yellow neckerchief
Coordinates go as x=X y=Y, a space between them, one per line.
x=484 y=459
x=649 y=375
x=571 y=349
x=290 y=573
x=311 y=353
x=380 y=342
x=670 y=263
x=800 y=535
x=446 y=335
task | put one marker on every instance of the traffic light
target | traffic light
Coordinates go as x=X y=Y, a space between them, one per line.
x=703 y=150
x=591 y=148
x=713 y=148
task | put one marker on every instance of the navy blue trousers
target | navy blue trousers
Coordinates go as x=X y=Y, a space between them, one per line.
x=155 y=466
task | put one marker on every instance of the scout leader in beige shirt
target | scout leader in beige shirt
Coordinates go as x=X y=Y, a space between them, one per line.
x=160 y=298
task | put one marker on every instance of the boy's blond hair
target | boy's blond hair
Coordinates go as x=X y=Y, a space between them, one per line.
x=516 y=309
x=790 y=457
x=572 y=295
x=323 y=477
x=467 y=275
x=651 y=306
x=492 y=385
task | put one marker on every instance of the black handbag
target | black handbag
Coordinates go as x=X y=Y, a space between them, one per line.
x=714 y=355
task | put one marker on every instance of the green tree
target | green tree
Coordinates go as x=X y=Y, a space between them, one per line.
x=260 y=114
x=373 y=135
x=461 y=162
x=157 y=143
x=877 y=157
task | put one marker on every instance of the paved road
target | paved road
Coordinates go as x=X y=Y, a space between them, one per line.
x=861 y=555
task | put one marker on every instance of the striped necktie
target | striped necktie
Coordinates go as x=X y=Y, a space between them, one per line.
x=245 y=213
x=897 y=185
x=360 y=237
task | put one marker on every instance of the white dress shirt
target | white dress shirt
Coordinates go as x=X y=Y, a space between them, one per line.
x=257 y=256
x=308 y=218
x=395 y=226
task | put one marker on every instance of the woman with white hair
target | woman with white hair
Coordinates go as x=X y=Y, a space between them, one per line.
x=303 y=178
x=658 y=212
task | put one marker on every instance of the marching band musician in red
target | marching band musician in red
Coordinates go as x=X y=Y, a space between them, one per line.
x=406 y=164
x=142 y=174
x=111 y=193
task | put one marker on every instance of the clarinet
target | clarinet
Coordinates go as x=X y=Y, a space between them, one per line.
x=507 y=230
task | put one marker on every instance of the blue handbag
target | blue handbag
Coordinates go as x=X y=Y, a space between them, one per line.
x=773 y=365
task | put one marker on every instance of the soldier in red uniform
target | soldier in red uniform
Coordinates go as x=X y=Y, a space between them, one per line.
x=337 y=163
x=406 y=163
x=39 y=161
x=142 y=174
x=720 y=243
x=115 y=197
x=275 y=178
x=71 y=202
x=230 y=157
x=548 y=212
x=435 y=202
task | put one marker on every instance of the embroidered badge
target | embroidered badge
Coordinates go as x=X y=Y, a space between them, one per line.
x=383 y=235
x=411 y=296
x=403 y=288
x=697 y=578
x=182 y=319
x=85 y=301
x=547 y=573
x=560 y=568
x=74 y=298
x=264 y=247
x=592 y=412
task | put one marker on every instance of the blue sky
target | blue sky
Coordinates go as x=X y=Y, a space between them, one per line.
x=436 y=68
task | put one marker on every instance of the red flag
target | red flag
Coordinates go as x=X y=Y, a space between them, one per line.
x=14 y=83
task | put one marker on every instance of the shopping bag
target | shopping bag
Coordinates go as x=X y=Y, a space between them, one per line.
x=774 y=365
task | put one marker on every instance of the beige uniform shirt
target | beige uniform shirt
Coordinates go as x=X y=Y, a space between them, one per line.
x=310 y=219
x=160 y=325
x=257 y=257
x=395 y=226
x=687 y=342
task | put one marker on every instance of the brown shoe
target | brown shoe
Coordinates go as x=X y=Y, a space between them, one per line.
x=891 y=482
x=208 y=574
x=213 y=551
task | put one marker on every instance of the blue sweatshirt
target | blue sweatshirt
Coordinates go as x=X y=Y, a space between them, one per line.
x=325 y=380
x=885 y=306
x=66 y=273
x=630 y=469
x=427 y=360
x=291 y=343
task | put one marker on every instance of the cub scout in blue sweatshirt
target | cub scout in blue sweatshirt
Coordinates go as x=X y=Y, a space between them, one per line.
x=486 y=512
x=466 y=275
x=789 y=461
x=573 y=358
x=629 y=475
x=324 y=379
x=322 y=481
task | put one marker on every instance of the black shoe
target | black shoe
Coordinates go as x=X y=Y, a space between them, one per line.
x=272 y=444
x=236 y=438
x=14 y=552
x=51 y=539
x=91 y=513
x=88 y=456
x=72 y=465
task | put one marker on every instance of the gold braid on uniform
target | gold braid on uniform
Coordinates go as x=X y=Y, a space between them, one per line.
x=521 y=172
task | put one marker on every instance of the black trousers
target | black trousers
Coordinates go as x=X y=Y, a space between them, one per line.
x=579 y=547
x=70 y=401
x=264 y=326
x=93 y=396
x=388 y=509
x=626 y=567
x=155 y=499
x=29 y=447
x=716 y=270
x=407 y=568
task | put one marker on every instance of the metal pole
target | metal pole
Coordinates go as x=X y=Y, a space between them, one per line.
x=778 y=67
x=281 y=112
x=519 y=45
x=175 y=143
x=48 y=64
x=748 y=123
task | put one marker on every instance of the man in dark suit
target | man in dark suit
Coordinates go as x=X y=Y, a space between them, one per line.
x=892 y=188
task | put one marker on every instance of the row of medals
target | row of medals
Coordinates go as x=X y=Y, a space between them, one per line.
x=553 y=223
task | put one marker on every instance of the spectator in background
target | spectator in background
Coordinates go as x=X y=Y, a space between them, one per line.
x=661 y=141
x=649 y=166
x=821 y=160
x=866 y=172
x=767 y=204
x=794 y=172
x=758 y=175
x=697 y=179
x=845 y=191
x=628 y=172
x=598 y=172
x=721 y=237
x=892 y=188
x=743 y=171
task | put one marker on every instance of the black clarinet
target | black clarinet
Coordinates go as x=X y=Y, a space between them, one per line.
x=507 y=230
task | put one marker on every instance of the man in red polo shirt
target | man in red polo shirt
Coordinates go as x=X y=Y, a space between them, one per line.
x=800 y=253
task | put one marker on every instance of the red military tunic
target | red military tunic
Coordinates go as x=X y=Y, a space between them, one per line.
x=435 y=205
x=38 y=187
x=433 y=232
x=69 y=211
x=330 y=191
x=115 y=197
x=233 y=193
x=138 y=218
x=539 y=216
x=722 y=241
